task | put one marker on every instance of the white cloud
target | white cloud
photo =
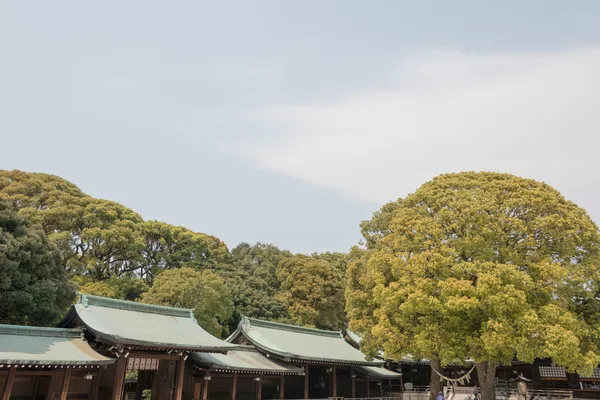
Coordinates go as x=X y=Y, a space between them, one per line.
x=535 y=115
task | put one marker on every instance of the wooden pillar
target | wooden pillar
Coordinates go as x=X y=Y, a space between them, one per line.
x=9 y=383
x=368 y=387
x=353 y=385
x=54 y=387
x=234 y=388
x=197 y=390
x=205 y=389
x=36 y=386
x=333 y=381
x=96 y=385
x=281 y=387
x=306 y=381
x=380 y=388
x=259 y=388
x=64 y=389
x=179 y=376
x=117 y=393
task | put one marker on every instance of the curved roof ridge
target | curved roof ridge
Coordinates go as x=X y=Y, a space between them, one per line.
x=23 y=330
x=90 y=300
x=290 y=327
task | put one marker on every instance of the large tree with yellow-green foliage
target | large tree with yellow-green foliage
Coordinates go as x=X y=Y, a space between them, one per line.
x=312 y=287
x=203 y=291
x=102 y=239
x=485 y=266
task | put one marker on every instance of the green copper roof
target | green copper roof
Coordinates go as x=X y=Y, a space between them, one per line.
x=300 y=344
x=378 y=372
x=128 y=323
x=244 y=360
x=26 y=345
x=353 y=338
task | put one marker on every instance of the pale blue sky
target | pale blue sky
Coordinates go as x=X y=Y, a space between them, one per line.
x=291 y=121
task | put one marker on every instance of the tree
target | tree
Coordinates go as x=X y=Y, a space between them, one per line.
x=167 y=247
x=485 y=266
x=124 y=288
x=313 y=289
x=202 y=291
x=250 y=273
x=34 y=289
x=102 y=239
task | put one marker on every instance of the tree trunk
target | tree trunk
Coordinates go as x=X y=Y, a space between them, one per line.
x=435 y=382
x=486 y=374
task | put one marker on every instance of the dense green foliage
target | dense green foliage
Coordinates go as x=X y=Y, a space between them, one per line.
x=109 y=250
x=103 y=239
x=312 y=288
x=34 y=288
x=479 y=265
x=251 y=275
x=202 y=291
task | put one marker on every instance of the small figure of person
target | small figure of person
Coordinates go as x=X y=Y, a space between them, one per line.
x=440 y=396
x=475 y=394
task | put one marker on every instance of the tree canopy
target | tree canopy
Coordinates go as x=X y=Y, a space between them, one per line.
x=312 y=287
x=485 y=266
x=202 y=291
x=102 y=239
x=34 y=288
x=251 y=275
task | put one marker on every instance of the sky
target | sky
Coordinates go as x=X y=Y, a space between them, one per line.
x=289 y=122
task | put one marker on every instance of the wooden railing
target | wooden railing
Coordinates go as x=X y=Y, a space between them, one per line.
x=541 y=394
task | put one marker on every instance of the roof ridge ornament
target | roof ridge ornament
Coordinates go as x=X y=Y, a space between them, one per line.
x=99 y=301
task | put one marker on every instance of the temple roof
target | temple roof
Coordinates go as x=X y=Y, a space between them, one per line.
x=244 y=359
x=378 y=372
x=356 y=341
x=294 y=343
x=353 y=338
x=131 y=324
x=27 y=345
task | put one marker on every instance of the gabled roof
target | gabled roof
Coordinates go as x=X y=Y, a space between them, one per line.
x=27 y=345
x=378 y=372
x=244 y=359
x=353 y=338
x=131 y=324
x=294 y=343
x=356 y=341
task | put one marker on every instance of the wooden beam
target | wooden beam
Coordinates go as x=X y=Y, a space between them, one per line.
x=333 y=381
x=40 y=373
x=9 y=383
x=64 y=389
x=158 y=356
x=179 y=377
x=306 y=382
x=205 y=390
x=117 y=393
x=353 y=386
x=282 y=387
x=234 y=387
